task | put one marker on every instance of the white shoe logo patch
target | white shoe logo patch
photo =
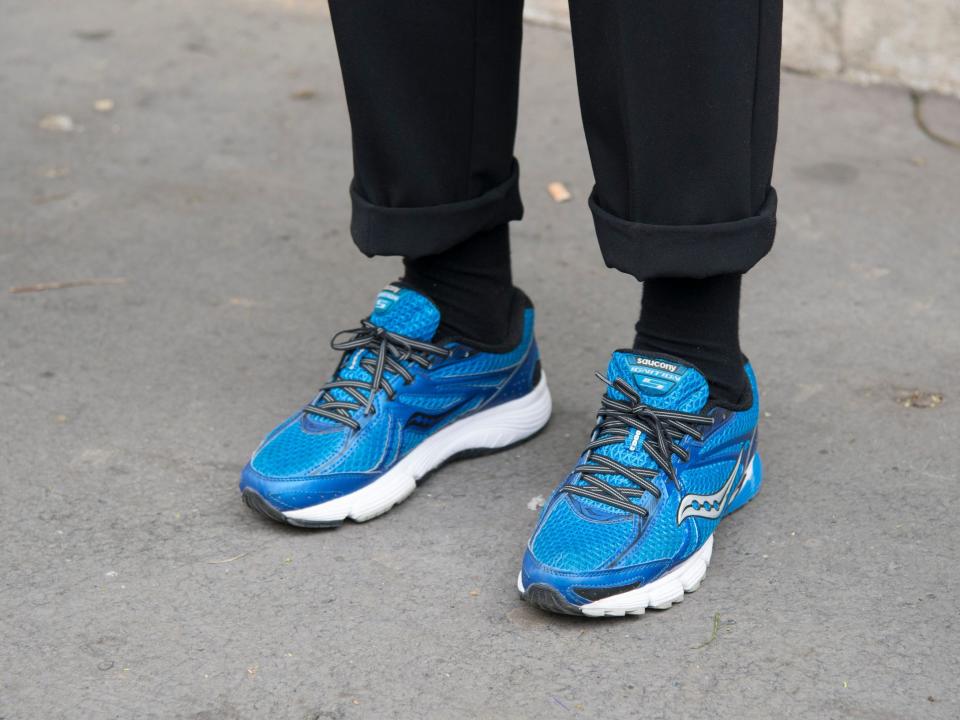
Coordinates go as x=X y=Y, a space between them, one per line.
x=708 y=506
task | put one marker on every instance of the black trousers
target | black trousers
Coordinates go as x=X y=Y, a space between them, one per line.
x=679 y=101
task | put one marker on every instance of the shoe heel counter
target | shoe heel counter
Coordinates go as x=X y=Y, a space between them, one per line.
x=533 y=359
x=528 y=374
x=532 y=369
x=754 y=389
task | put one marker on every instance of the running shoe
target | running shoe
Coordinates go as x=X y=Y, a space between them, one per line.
x=632 y=526
x=400 y=404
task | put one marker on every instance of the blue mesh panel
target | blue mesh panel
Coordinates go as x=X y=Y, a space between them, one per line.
x=569 y=542
x=293 y=451
x=376 y=443
x=430 y=402
x=406 y=312
x=490 y=362
x=662 y=539
x=411 y=438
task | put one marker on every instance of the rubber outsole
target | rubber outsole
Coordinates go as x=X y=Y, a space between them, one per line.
x=546 y=598
x=254 y=500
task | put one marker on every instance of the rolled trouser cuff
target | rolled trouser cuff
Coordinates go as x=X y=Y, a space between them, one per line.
x=685 y=251
x=419 y=231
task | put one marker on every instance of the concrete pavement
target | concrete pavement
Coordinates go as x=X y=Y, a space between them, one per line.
x=135 y=584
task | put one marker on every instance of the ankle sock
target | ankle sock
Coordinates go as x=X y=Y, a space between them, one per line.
x=471 y=284
x=697 y=321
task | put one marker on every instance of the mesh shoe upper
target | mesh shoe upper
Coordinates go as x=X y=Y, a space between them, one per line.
x=599 y=543
x=312 y=458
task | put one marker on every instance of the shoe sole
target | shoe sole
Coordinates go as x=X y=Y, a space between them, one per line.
x=488 y=431
x=661 y=593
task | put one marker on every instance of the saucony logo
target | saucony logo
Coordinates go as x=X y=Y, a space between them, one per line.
x=709 y=506
x=660 y=364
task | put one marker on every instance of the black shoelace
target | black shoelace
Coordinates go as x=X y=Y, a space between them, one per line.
x=616 y=421
x=389 y=350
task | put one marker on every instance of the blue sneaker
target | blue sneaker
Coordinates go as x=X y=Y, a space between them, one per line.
x=400 y=404
x=632 y=526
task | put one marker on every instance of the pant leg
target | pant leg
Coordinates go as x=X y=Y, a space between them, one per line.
x=679 y=101
x=431 y=90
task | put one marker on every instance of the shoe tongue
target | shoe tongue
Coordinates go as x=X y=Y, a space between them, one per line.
x=663 y=381
x=399 y=309
x=402 y=310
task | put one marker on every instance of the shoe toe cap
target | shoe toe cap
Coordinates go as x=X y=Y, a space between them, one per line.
x=570 y=542
x=578 y=558
x=296 y=448
x=288 y=493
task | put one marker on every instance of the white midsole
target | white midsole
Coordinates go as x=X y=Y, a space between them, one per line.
x=496 y=427
x=662 y=592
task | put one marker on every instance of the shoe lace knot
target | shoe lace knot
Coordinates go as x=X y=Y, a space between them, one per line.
x=382 y=352
x=617 y=420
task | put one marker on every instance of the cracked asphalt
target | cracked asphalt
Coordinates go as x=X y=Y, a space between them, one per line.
x=207 y=204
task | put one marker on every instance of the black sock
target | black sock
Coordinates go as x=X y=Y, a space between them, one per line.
x=697 y=321
x=472 y=285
